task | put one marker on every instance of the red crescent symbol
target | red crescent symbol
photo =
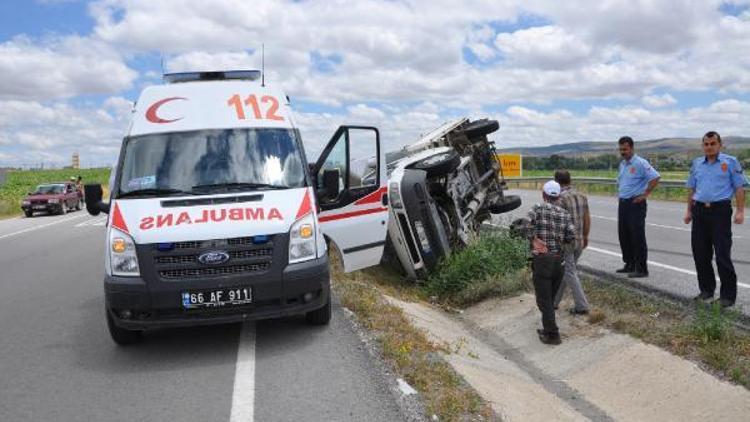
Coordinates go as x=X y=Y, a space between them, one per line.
x=151 y=112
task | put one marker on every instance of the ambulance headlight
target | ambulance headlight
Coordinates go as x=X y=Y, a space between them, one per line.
x=122 y=254
x=395 y=195
x=302 y=240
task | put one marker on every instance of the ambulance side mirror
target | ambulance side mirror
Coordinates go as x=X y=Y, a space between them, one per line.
x=331 y=180
x=94 y=205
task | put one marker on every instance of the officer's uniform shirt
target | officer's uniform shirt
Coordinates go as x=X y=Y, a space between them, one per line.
x=634 y=176
x=717 y=181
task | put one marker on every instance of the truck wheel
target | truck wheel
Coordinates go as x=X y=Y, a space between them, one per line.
x=439 y=164
x=479 y=128
x=122 y=336
x=505 y=204
x=320 y=316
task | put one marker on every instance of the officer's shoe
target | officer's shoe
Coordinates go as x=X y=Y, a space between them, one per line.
x=725 y=303
x=625 y=269
x=638 y=274
x=703 y=297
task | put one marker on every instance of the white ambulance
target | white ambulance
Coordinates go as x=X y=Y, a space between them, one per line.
x=215 y=215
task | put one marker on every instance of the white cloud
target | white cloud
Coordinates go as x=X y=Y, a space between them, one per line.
x=658 y=100
x=61 y=67
x=545 y=47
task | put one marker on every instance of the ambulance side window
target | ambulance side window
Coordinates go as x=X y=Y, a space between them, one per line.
x=363 y=150
x=330 y=177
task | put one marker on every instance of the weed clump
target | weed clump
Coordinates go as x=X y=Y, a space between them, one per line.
x=489 y=265
x=712 y=323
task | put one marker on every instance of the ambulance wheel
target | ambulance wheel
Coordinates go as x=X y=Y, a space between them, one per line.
x=320 y=316
x=505 y=204
x=120 y=335
x=479 y=128
x=439 y=165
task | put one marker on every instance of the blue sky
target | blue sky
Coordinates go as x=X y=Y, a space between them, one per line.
x=551 y=73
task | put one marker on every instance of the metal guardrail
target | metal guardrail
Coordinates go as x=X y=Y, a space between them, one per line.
x=595 y=181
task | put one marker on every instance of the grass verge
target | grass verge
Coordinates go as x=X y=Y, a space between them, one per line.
x=706 y=336
x=406 y=348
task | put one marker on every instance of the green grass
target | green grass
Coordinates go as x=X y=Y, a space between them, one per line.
x=490 y=266
x=19 y=182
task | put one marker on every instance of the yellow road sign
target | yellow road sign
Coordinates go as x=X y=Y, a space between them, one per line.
x=512 y=164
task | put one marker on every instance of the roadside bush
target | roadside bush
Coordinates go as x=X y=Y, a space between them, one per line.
x=489 y=265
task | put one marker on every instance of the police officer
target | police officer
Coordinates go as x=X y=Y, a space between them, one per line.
x=714 y=179
x=635 y=182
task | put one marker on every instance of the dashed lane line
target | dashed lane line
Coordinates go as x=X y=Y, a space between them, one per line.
x=93 y=222
x=243 y=398
x=657 y=264
x=30 y=229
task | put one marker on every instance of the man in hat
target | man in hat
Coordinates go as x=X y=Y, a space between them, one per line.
x=548 y=227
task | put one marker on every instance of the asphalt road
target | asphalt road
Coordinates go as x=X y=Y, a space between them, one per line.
x=57 y=362
x=671 y=265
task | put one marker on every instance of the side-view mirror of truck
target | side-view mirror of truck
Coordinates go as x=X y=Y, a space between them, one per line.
x=94 y=203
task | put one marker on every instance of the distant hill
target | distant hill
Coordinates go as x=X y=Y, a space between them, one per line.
x=671 y=146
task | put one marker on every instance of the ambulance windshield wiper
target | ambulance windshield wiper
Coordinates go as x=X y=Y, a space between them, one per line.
x=237 y=186
x=154 y=192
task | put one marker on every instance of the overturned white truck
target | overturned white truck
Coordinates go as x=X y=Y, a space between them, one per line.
x=441 y=189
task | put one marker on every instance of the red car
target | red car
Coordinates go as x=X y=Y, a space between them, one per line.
x=53 y=198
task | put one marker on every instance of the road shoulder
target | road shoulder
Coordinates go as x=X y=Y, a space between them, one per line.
x=595 y=374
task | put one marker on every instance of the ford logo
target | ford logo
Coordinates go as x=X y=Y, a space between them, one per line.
x=213 y=257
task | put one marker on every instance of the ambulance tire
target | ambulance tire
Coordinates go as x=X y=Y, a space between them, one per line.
x=122 y=336
x=320 y=316
x=505 y=204
x=439 y=165
x=479 y=128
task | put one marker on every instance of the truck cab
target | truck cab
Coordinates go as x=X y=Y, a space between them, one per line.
x=215 y=215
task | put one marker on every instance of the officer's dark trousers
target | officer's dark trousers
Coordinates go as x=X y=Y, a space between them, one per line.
x=547 y=275
x=712 y=232
x=631 y=228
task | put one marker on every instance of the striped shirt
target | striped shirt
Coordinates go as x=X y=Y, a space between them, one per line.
x=577 y=205
x=551 y=224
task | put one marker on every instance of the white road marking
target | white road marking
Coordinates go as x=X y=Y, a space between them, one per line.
x=682 y=229
x=657 y=264
x=243 y=398
x=30 y=229
x=93 y=222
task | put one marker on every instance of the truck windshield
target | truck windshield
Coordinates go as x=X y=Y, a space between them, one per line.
x=210 y=161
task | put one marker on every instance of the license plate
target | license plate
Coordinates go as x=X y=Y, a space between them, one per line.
x=216 y=298
x=39 y=207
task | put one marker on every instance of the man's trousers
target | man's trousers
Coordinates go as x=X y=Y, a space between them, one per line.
x=712 y=232
x=631 y=228
x=547 y=275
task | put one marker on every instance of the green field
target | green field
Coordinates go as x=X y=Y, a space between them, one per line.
x=611 y=174
x=19 y=182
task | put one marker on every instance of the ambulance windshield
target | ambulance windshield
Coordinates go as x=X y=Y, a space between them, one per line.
x=218 y=159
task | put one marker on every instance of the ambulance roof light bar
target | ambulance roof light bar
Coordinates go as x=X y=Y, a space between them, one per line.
x=179 y=77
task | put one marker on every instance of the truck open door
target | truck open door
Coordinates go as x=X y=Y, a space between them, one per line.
x=351 y=186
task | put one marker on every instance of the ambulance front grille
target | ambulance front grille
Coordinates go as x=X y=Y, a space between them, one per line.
x=211 y=271
x=179 y=260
